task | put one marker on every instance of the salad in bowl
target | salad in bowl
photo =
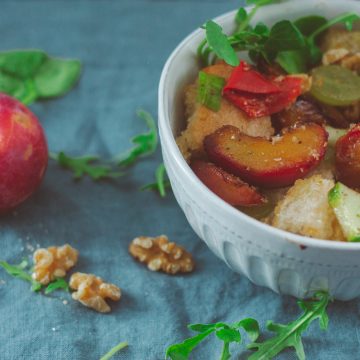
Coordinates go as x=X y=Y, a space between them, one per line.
x=261 y=141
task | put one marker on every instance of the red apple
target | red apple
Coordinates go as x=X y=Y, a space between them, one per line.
x=23 y=153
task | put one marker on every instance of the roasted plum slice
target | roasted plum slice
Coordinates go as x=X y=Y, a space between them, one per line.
x=347 y=160
x=301 y=111
x=227 y=186
x=269 y=164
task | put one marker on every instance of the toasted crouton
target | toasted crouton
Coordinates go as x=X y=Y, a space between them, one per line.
x=305 y=210
x=203 y=121
x=337 y=38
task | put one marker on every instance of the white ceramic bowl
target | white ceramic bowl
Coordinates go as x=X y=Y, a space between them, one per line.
x=282 y=261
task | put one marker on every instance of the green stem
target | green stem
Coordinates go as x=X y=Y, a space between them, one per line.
x=246 y=23
x=225 y=351
x=338 y=19
x=114 y=350
x=160 y=174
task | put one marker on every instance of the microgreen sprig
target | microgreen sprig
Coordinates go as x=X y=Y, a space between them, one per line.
x=97 y=168
x=161 y=183
x=289 y=335
x=291 y=44
x=18 y=271
x=89 y=165
x=227 y=333
x=21 y=271
x=145 y=144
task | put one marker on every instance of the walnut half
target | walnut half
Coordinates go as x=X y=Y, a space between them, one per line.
x=92 y=291
x=53 y=262
x=160 y=254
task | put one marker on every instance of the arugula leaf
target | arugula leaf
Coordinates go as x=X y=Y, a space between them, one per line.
x=209 y=91
x=32 y=74
x=19 y=271
x=228 y=333
x=290 y=335
x=292 y=61
x=114 y=350
x=83 y=165
x=145 y=143
x=220 y=44
x=59 y=283
x=161 y=183
x=284 y=36
x=182 y=351
x=251 y=326
x=308 y=24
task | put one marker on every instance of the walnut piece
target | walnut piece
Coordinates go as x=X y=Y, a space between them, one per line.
x=92 y=291
x=53 y=262
x=342 y=57
x=160 y=254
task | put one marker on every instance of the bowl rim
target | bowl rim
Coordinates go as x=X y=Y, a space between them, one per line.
x=168 y=140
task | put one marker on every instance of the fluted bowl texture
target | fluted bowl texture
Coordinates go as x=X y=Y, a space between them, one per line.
x=282 y=261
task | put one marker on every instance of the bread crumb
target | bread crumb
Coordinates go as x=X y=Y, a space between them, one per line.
x=305 y=210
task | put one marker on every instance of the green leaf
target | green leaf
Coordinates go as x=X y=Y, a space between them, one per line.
x=228 y=335
x=292 y=61
x=284 y=36
x=56 y=77
x=209 y=92
x=205 y=327
x=19 y=272
x=145 y=144
x=290 y=335
x=220 y=44
x=32 y=74
x=84 y=165
x=22 y=64
x=182 y=351
x=114 y=350
x=56 y=285
x=251 y=326
x=161 y=183
x=241 y=16
x=308 y=24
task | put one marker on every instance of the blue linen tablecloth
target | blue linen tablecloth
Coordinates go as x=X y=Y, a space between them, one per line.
x=123 y=46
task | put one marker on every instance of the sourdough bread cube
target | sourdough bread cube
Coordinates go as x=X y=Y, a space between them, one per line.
x=305 y=210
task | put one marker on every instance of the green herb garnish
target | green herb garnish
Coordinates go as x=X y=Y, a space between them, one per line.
x=228 y=333
x=145 y=144
x=219 y=43
x=19 y=272
x=29 y=75
x=161 y=183
x=114 y=350
x=209 y=92
x=291 y=44
x=86 y=165
x=58 y=284
x=290 y=335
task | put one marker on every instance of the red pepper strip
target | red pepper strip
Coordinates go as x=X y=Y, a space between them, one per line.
x=244 y=78
x=257 y=103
